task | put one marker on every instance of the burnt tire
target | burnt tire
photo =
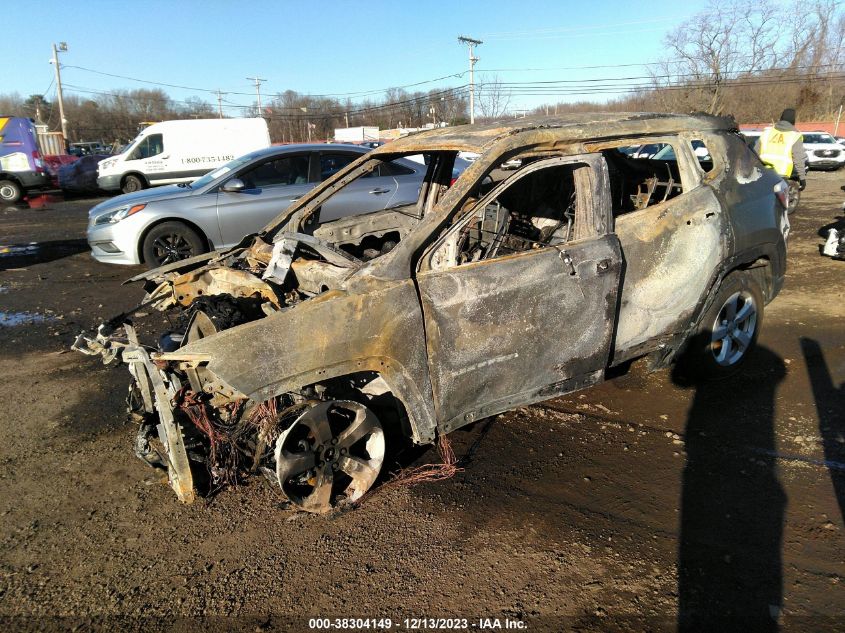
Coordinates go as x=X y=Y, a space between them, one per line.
x=132 y=183
x=728 y=330
x=170 y=242
x=10 y=191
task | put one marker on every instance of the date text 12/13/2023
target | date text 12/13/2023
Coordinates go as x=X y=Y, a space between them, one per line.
x=417 y=624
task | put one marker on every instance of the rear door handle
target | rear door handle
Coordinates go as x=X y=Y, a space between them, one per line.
x=379 y=191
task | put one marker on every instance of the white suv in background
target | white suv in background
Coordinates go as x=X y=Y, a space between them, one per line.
x=823 y=151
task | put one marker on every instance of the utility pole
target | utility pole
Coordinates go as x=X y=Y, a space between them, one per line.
x=470 y=42
x=258 y=81
x=38 y=109
x=220 y=102
x=346 y=116
x=63 y=48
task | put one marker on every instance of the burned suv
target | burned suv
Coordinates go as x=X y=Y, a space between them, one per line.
x=305 y=350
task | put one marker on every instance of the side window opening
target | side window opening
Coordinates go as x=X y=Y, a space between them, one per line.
x=393 y=168
x=702 y=154
x=289 y=170
x=366 y=224
x=537 y=210
x=330 y=164
x=638 y=183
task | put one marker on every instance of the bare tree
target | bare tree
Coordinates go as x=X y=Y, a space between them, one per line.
x=492 y=97
x=729 y=40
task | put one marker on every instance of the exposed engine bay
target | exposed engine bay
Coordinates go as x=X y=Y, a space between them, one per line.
x=317 y=445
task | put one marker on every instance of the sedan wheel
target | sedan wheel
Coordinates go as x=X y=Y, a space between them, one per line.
x=171 y=242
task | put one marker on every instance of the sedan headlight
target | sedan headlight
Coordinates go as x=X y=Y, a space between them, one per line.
x=118 y=214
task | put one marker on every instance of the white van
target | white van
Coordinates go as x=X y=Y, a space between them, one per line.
x=180 y=151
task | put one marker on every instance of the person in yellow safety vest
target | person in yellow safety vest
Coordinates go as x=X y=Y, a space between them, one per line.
x=782 y=147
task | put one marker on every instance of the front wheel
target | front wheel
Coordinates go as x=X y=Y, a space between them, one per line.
x=728 y=330
x=132 y=183
x=331 y=454
x=10 y=191
x=170 y=242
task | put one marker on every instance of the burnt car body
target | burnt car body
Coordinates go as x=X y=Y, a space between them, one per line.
x=298 y=351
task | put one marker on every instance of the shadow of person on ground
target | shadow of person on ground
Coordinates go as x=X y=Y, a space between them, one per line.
x=732 y=504
x=830 y=407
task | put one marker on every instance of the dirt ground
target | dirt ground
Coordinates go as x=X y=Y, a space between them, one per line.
x=628 y=506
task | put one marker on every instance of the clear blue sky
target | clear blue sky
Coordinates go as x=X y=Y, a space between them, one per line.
x=327 y=46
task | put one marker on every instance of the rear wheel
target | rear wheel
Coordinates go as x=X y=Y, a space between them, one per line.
x=10 y=191
x=132 y=183
x=170 y=242
x=728 y=330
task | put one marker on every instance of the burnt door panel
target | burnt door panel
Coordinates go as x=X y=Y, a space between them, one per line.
x=517 y=329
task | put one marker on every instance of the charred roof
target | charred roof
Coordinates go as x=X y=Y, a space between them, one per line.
x=572 y=127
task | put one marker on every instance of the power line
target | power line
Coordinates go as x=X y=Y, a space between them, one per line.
x=316 y=114
x=248 y=94
x=118 y=95
x=559 y=88
x=652 y=77
x=44 y=94
x=522 y=70
x=365 y=93
x=732 y=83
x=145 y=81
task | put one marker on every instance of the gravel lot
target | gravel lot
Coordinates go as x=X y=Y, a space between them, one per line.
x=618 y=508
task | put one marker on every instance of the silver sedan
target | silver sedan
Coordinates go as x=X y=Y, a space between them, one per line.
x=162 y=225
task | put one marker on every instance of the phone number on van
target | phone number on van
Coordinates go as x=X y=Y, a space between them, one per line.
x=206 y=159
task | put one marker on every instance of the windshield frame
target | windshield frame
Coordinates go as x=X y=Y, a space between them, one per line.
x=295 y=216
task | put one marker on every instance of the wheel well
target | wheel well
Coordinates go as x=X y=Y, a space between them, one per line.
x=368 y=388
x=134 y=173
x=12 y=177
x=207 y=242
x=761 y=271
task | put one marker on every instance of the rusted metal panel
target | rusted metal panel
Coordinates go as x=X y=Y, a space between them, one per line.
x=500 y=330
x=671 y=251
x=334 y=334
